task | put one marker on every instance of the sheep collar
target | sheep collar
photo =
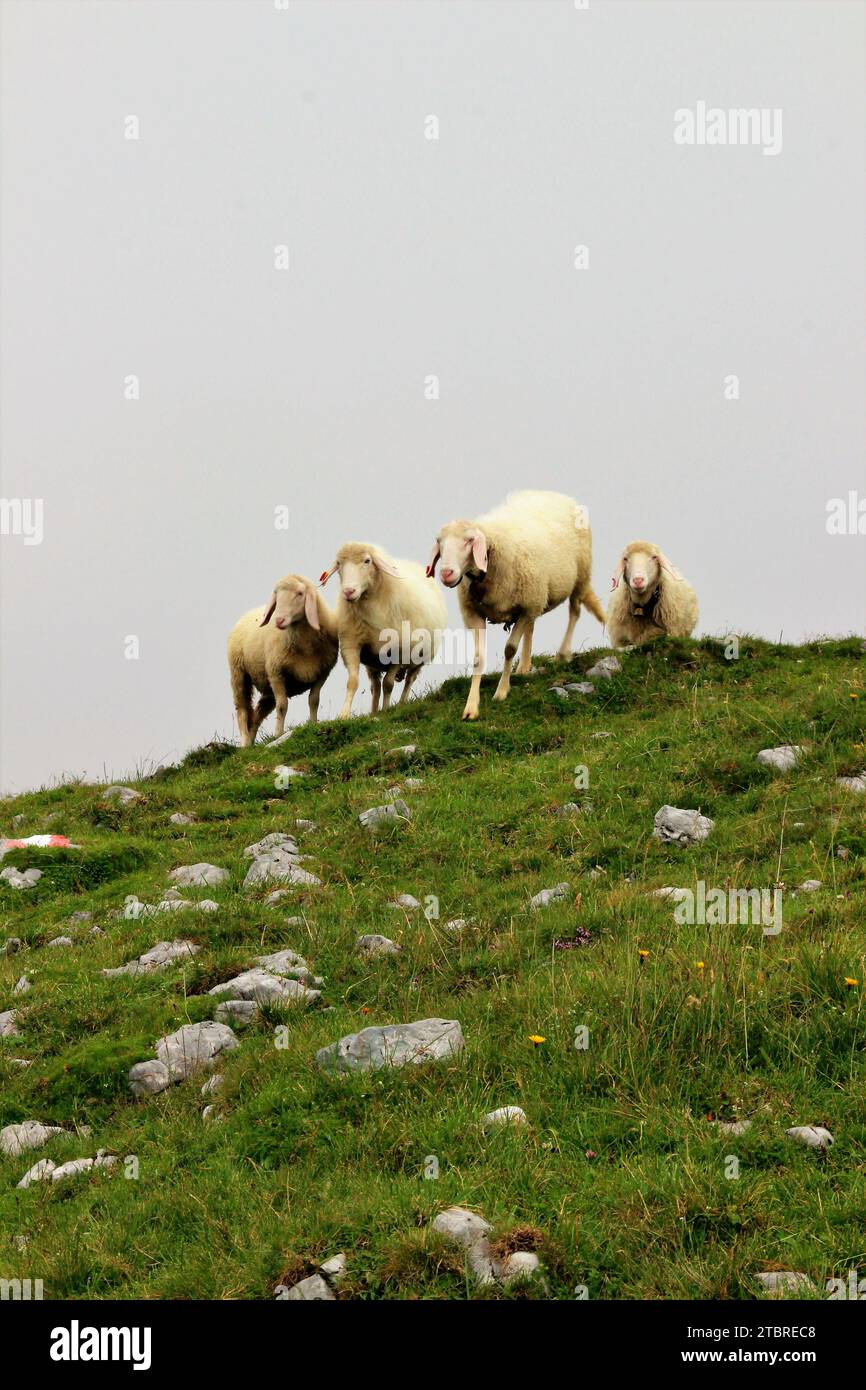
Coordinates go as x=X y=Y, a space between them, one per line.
x=647 y=609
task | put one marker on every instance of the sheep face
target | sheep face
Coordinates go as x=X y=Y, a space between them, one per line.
x=359 y=566
x=641 y=567
x=293 y=601
x=462 y=548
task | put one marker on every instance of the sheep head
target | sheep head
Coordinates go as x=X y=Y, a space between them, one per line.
x=359 y=565
x=642 y=566
x=293 y=600
x=462 y=547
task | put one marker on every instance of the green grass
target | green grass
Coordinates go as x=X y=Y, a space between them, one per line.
x=621 y=1177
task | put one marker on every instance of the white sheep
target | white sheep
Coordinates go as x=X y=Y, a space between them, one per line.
x=520 y=560
x=295 y=652
x=653 y=599
x=390 y=617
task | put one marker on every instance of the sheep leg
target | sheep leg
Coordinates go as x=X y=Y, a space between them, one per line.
x=514 y=637
x=573 y=615
x=281 y=699
x=524 y=665
x=375 y=687
x=241 y=693
x=388 y=686
x=479 y=627
x=411 y=676
x=260 y=713
x=313 y=701
x=352 y=660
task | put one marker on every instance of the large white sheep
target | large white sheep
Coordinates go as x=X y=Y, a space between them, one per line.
x=520 y=560
x=650 y=597
x=288 y=646
x=390 y=617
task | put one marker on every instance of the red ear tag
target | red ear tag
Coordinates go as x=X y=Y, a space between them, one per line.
x=323 y=576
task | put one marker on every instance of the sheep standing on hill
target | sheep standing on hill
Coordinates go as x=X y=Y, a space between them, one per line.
x=283 y=649
x=650 y=598
x=389 y=617
x=511 y=565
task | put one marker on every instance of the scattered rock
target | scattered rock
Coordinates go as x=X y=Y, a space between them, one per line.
x=41 y=1170
x=735 y=1127
x=376 y=945
x=199 y=875
x=277 y=839
x=505 y=1115
x=675 y=826
x=83 y=1165
x=17 y=1139
x=394 y=1045
x=457 y=925
x=810 y=885
x=470 y=1231
x=522 y=1264
x=606 y=669
x=312 y=1290
x=13 y=944
x=124 y=795
x=550 y=895
x=334 y=1269
x=263 y=987
x=178 y=1055
x=80 y=916
x=404 y=754
x=8 y=1026
x=301 y=824
x=239 y=1012
x=157 y=958
x=851 y=784
x=813 y=1136
x=23 y=986
x=61 y=941
x=280 y=864
x=289 y=963
x=784 y=758
x=28 y=879
x=780 y=1281
x=406 y=901
x=676 y=895
x=379 y=818
x=181 y=818
x=213 y=1084
x=149 y=1078
x=282 y=771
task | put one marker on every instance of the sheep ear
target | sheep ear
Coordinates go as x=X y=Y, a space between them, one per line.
x=311 y=608
x=385 y=566
x=326 y=574
x=666 y=564
x=434 y=560
x=269 y=610
x=479 y=550
x=614 y=583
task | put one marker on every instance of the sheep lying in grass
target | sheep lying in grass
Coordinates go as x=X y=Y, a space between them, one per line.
x=653 y=599
x=283 y=649
x=516 y=562
x=389 y=617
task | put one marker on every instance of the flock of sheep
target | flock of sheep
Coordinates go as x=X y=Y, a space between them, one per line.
x=509 y=566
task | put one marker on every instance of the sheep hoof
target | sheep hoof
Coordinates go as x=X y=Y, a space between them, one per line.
x=500 y=694
x=470 y=714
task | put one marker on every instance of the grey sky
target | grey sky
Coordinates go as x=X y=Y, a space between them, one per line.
x=408 y=257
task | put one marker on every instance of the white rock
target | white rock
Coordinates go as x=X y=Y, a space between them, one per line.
x=457 y=925
x=550 y=895
x=522 y=1264
x=810 y=885
x=676 y=826
x=282 y=771
x=125 y=795
x=735 y=1127
x=213 y=1084
x=157 y=958
x=311 y=1290
x=23 y=986
x=263 y=987
x=784 y=758
x=505 y=1115
x=406 y=901
x=279 y=865
x=180 y=818
x=376 y=945
x=394 y=1045
x=41 y=1170
x=379 y=818
x=208 y=905
x=780 y=1281
x=61 y=941
x=334 y=1269
x=178 y=1055
x=17 y=1139
x=851 y=784
x=149 y=1078
x=238 y=1012
x=605 y=669
x=16 y=879
x=277 y=839
x=199 y=875
x=813 y=1136
x=676 y=895
x=8 y=1026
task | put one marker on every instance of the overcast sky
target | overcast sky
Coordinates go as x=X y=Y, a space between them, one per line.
x=408 y=257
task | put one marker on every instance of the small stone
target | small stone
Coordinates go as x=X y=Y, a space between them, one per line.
x=505 y=1115
x=376 y=945
x=277 y=839
x=395 y=1045
x=41 y=1170
x=457 y=925
x=80 y=916
x=13 y=944
x=283 y=771
x=735 y=1127
x=199 y=875
x=311 y=1290
x=851 y=784
x=676 y=895
x=334 y=1269
x=842 y=852
x=17 y=1139
x=406 y=901
x=784 y=758
x=149 y=1078
x=61 y=941
x=605 y=669
x=8 y=1026
x=23 y=986
x=779 y=1281
x=96 y=931
x=550 y=895
x=522 y=1264
x=813 y=1136
x=810 y=885
x=208 y=905
x=676 y=826
x=125 y=795
x=157 y=958
x=379 y=818
x=16 y=879
x=266 y=988
x=239 y=1012
x=302 y=824
x=213 y=1084
x=181 y=818
x=404 y=754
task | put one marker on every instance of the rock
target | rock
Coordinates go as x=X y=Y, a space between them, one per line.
x=851 y=784
x=813 y=1136
x=279 y=865
x=41 y=1170
x=735 y=1127
x=157 y=958
x=18 y=821
x=605 y=669
x=311 y=1290
x=80 y=916
x=784 y=758
x=28 y=879
x=505 y=1115
x=124 y=795
x=394 y=1045
x=379 y=818
x=404 y=754
x=199 y=875
x=842 y=852
x=522 y=1264
x=208 y=905
x=406 y=901
x=264 y=988
x=376 y=945
x=413 y=783
x=810 y=885
x=213 y=1084
x=457 y=925
x=675 y=826
x=301 y=824
x=61 y=941
x=96 y=931
x=13 y=944
x=469 y=1230
x=181 y=818
x=17 y=1139
x=19 y=1062
x=779 y=1281
x=239 y=1012
x=23 y=986
x=277 y=839
x=334 y=1269
x=149 y=1078
x=282 y=771
x=550 y=895
x=559 y=691
x=294 y=921
x=289 y=963
x=676 y=895
x=280 y=738
x=8 y=1026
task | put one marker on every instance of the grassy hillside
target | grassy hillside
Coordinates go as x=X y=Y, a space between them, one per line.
x=620 y=1181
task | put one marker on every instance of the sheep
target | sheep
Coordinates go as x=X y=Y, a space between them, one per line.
x=511 y=565
x=294 y=653
x=389 y=616
x=655 y=598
